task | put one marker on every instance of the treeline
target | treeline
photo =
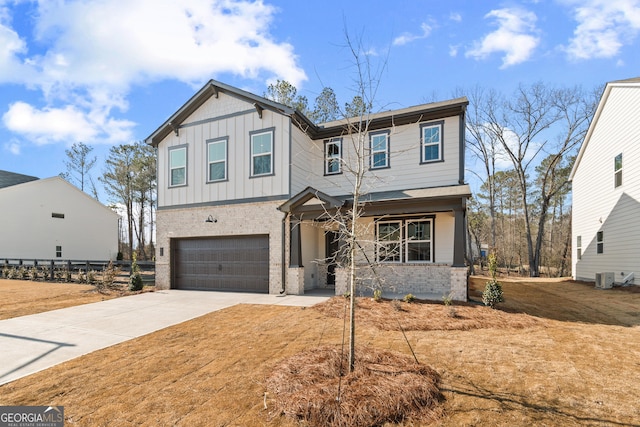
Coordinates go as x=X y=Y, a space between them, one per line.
x=129 y=181
x=523 y=147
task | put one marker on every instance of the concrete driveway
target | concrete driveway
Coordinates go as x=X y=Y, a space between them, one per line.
x=32 y=343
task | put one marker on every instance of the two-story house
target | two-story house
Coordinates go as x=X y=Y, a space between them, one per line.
x=606 y=190
x=248 y=189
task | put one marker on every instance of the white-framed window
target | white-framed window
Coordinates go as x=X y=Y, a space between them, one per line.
x=600 y=242
x=217 y=160
x=177 y=166
x=389 y=242
x=333 y=156
x=262 y=152
x=379 y=147
x=407 y=240
x=431 y=142
x=579 y=247
x=418 y=240
x=618 y=171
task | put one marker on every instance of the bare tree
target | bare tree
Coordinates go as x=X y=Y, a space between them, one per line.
x=79 y=164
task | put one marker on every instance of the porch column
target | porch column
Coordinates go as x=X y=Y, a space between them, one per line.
x=295 y=246
x=459 y=237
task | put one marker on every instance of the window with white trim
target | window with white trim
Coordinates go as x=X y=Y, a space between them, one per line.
x=618 y=171
x=262 y=153
x=431 y=142
x=418 y=240
x=405 y=240
x=379 y=146
x=333 y=156
x=389 y=241
x=217 y=160
x=579 y=247
x=177 y=166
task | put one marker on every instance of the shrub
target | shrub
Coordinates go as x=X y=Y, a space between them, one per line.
x=447 y=300
x=135 y=280
x=409 y=298
x=23 y=273
x=492 y=294
x=377 y=295
x=33 y=272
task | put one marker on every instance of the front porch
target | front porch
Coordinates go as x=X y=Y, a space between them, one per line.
x=438 y=270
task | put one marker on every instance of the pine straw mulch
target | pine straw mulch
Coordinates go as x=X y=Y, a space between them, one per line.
x=421 y=315
x=385 y=387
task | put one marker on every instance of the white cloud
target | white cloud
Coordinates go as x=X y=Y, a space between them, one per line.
x=516 y=37
x=453 y=50
x=12 y=147
x=409 y=37
x=455 y=16
x=604 y=26
x=93 y=52
x=68 y=124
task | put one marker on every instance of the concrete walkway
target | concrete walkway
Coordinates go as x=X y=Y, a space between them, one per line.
x=32 y=343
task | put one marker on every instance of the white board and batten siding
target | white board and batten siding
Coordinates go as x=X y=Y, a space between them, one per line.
x=233 y=119
x=405 y=170
x=597 y=204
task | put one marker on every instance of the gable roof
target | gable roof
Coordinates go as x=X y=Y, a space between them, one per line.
x=332 y=129
x=634 y=83
x=8 y=179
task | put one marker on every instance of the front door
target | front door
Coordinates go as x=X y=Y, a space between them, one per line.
x=332 y=246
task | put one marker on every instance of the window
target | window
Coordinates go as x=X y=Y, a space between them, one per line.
x=579 y=247
x=600 y=242
x=431 y=142
x=389 y=241
x=618 y=170
x=379 y=146
x=408 y=240
x=57 y=215
x=177 y=166
x=418 y=241
x=217 y=160
x=332 y=156
x=262 y=153
x=58 y=251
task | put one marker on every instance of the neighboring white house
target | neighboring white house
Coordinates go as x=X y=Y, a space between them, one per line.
x=245 y=185
x=49 y=219
x=606 y=189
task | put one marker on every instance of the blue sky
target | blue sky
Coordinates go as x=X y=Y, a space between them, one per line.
x=108 y=72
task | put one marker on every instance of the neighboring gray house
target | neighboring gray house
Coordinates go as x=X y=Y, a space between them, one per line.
x=606 y=190
x=245 y=184
x=50 y=219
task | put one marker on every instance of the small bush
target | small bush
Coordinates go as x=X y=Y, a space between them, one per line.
x=447 y=300
x=23 y=273
x=33 y=272
x=409 y=298
x=377 y=295
x=135 y=280
x=492 y=294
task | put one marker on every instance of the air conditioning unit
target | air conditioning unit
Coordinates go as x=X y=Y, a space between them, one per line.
x=604 y=280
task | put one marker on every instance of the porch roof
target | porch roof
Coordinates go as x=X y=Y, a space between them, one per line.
x=419 y=200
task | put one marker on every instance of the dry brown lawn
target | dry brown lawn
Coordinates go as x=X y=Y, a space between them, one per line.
x=555 y=353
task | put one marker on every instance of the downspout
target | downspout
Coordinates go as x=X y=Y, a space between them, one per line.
x=284 y=253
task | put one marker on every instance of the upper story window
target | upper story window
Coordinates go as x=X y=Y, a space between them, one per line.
x=379 y=146
x=431 y=142
x=600 y=242
x=618 y=170
x=217 y=160
x=579 y=247
x=262 y=153
x=332 y=156
x=177 y=166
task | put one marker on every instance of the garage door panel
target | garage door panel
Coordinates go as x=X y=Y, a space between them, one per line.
x=232 y=263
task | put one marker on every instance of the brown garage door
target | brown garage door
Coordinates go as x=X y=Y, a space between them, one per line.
x=234 y=263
